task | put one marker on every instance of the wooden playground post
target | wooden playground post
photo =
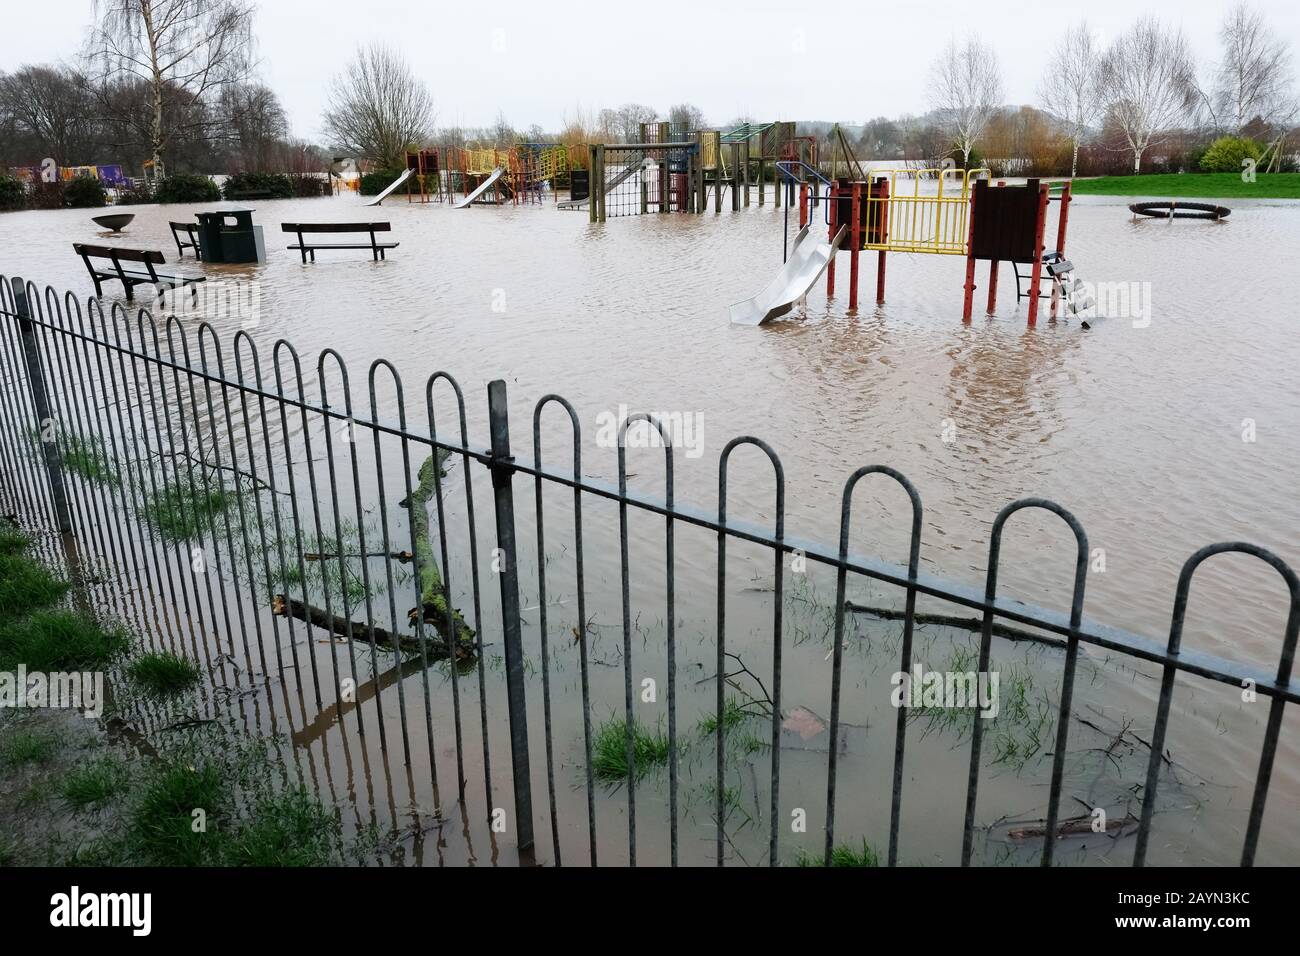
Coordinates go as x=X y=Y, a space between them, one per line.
x=745 y=167
x=855 y=236
x=834 y=210
x=592 y=181
x=1040 y=227
x=970 y=261
x=803 y=205
x=993 y=273
x=735 y=177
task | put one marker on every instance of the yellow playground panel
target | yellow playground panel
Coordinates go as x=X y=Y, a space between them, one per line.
x=914 y=221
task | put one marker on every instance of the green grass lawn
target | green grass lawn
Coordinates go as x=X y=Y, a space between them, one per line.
x=1193 y=186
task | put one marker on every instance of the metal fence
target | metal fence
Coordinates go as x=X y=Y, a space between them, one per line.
x=220 y=483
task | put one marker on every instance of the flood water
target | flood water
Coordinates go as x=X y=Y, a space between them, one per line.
x=1161 y=436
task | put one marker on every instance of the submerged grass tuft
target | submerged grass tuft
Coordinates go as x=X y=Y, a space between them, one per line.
x=23 y=747
x=25 y=584
x=89 y=458
x=181 y=512
x=843 y=855
x=162 y=673
x=609 y=749
x=93 y=784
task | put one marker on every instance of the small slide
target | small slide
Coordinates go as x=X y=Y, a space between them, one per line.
x=628 y=172
x=395 y=183
x=484 y=187
x=808 y=260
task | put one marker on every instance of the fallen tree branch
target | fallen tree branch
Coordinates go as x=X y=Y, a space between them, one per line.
x=952 y=620
x=436 y=608
x=359 y=631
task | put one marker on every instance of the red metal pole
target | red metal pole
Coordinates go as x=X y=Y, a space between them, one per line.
x=855 y=236
x=1036 y=277
x=970 y=262
x=882 y=224
x=1062 y=223
x=993 y=273
x=834 y=217
x=803 y=205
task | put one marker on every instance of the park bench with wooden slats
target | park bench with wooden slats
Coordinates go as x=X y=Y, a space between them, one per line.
x=377 y=249
x=191 y=230
x=131 y=277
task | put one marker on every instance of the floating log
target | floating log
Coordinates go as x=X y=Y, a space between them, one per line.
x=360 y=631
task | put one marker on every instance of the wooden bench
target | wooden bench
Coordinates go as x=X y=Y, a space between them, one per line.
x=191 y=230
x=376 y=248
x=131 y=277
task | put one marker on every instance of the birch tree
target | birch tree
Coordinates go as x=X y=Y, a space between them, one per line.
x=183 y=50
x=1069 y=90
x=1254 y=77
x=966 y=90
x=1147 y=81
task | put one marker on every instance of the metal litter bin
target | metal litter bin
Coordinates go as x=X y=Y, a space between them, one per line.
x=230 y=236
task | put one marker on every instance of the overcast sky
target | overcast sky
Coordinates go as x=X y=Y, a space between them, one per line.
x=538 y=62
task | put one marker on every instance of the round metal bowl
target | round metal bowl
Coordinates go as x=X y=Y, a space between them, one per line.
x=116 y=221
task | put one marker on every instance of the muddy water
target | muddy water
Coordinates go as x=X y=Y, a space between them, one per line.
x=1141 y=431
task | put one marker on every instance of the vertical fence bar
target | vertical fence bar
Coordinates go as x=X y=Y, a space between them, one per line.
x=503 y=495
x=41 y=404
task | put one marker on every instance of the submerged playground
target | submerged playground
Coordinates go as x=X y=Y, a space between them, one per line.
x=731 y=283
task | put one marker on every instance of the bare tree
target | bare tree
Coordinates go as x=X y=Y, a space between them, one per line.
x=1254 y=77
x=50 y=105
x=185 y=48
x=378 y=108
x=1069 y=91
x=688 y=116
x=966 y=90
x=255 y=126
x=1146 y=81
x=629 y=118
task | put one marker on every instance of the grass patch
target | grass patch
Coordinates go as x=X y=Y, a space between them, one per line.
x=1192 y=186
x=181 y=511
x=163 y=673
x=289 y=829
x=60 y=641
x=24 y=747
x=843 y=855
x=733 y=715
x=12 y=541
x=94 y=783
x=25 y=584
x=164 y=829
x=609 y=749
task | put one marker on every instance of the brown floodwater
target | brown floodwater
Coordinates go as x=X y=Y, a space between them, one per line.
x=1160 y=436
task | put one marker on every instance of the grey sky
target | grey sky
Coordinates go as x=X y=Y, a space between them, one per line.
x=537 y=62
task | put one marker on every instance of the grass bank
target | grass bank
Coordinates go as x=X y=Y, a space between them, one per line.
x=72 y=793
x=1192 y=186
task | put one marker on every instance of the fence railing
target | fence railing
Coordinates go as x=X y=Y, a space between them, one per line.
x=220 y=483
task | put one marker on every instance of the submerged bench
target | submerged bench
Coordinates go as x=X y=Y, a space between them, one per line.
x=191 y=230
x=376 y=248
x=131 y=277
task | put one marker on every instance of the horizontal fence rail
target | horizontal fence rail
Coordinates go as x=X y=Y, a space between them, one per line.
x=262 y=505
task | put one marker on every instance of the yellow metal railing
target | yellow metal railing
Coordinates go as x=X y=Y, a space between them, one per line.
x=922 y=222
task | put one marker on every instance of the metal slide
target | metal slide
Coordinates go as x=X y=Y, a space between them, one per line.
x=808 y=260
x=395 y=183
x=628 y=172
x=486 y=184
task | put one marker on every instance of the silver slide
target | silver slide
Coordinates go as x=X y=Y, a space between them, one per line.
x=395 y=183
x=486 y=184
x=808 y=260
x=628 y=172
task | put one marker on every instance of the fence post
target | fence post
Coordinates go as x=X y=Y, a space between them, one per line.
x=41 y=403
x=503 y=495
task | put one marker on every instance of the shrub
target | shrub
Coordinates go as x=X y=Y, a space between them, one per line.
x=277 y=184
x=13 y=195
x=46 y=196
x=307 y=186
x=84 y=192
x=372 y=184
x=1227 y=153
x=187 y=187
x=133 y=197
